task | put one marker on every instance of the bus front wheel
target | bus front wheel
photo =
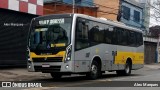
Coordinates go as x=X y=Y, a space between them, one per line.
x=94 y=72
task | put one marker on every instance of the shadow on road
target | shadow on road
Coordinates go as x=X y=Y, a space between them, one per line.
x=77 y=80
x=12 y=67
x=82 y=78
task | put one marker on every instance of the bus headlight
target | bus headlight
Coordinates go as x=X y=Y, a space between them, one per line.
x=28 y=54
x=68 y=53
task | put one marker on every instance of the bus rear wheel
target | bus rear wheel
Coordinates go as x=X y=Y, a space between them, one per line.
x=126 y=71
x=56 y=76
x=94 y=72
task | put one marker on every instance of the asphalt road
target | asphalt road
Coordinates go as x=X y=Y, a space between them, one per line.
x=109 y=81
x=106 y=82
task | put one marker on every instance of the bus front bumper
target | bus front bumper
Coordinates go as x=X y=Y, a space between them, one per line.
x=48 y=67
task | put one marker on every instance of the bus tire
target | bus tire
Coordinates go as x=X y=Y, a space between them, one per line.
x=126 y=71
x=94 y=72
x=56 y=76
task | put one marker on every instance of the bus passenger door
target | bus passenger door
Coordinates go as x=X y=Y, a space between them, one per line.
x=82 y=50
x=111 y=47
x=111 y=51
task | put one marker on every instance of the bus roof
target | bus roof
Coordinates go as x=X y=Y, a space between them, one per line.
x=110 y=22
x=101 y=20
x=54 y=15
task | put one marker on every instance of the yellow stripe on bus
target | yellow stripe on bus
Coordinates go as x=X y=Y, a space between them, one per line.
x=58 y=45
x=137 y=58
x=59 y=54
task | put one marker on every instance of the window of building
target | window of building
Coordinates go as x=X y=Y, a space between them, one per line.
x=126 y=12
x=136 y=16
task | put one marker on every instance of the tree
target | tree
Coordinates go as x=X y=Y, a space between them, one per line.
x=155 y=9
x=154 y=31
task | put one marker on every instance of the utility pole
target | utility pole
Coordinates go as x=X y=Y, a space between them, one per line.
x=73 y=6
x=158 y=49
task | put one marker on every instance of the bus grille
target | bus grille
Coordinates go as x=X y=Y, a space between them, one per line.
x=49 y=59
x=47 y=69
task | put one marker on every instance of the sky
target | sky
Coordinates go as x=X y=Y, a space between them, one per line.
x=153 y=21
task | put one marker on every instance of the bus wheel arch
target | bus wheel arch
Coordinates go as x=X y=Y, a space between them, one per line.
x=127 y=68
x=98 y=60
x=129 y=60
x=95 y=68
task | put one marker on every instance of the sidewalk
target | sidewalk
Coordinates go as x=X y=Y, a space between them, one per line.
x=21 y=74
x=153 y=66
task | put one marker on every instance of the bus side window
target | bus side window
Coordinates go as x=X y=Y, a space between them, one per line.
x=139 y=38
x=119 y=36
x=93 y=34
x=114 y=36
x=81 y=34
x=132 y=38
x=107 y=39
x=82 y=30
x=110 y=34
x=125 y=37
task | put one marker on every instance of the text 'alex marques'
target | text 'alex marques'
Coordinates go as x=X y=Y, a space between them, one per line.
x=146 y=84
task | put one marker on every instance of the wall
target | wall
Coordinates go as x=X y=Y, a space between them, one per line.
x=107 y=8
x=27 y=6
x=145 y=4
x=55 y=8
x=14 y=28
x=150 y=52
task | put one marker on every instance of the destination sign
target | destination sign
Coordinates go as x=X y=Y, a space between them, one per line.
x=51 y=21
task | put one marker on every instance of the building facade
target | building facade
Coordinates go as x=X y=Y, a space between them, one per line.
x=96 y=8
x=146 y=11
x=107 y=8
x=66 y=6
x=132 y=14
x=15 y=18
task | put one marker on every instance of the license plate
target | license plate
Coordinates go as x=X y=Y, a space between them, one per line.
x=45 y=65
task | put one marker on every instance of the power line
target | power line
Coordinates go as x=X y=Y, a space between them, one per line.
x=114 y=10
x=105 y=12
x=90 y=3
x=120 y=13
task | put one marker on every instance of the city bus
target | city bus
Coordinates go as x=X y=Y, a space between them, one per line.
x=64 y=44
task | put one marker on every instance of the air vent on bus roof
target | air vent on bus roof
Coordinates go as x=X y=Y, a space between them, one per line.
x=103 y=18
x=111 y=20
x=119 y=22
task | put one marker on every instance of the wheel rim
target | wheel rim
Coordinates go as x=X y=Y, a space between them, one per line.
x=94 y=69
x=127 y=68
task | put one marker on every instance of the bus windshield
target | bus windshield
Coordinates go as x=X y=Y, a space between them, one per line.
x=48 y=34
